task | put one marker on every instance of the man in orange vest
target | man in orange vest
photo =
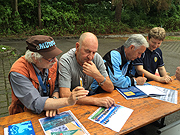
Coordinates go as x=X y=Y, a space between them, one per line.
x=34 y=79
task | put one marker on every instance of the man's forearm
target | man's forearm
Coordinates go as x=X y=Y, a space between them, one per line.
x=52 y=104
x=108 y=85
x=87 y=100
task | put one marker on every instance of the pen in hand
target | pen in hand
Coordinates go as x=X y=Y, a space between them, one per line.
x=81 y=83
x=142 y=74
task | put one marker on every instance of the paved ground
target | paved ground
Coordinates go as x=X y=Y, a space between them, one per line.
x=171 y=55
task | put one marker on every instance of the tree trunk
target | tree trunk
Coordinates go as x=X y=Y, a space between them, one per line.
x=14 y=4
x=118 y=11
x=39 y=14
x=113 y=5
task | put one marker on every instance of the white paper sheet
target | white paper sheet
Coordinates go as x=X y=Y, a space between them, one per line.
x=171 y=95
x=150 y=90
x=113 y=117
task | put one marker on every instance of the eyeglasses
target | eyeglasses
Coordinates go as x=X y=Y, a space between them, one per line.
x=50 y=59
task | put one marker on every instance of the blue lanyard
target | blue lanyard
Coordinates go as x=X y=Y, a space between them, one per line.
x=43 y=85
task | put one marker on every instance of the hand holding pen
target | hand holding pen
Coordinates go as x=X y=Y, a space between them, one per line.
x=141 y=80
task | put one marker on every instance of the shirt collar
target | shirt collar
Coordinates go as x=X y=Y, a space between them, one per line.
x=39 y=72
x=151 y=51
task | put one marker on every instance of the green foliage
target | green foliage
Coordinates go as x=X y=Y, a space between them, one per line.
x=172 y=38
x=134 y=19
x=73 y=17
x=5 y=18
x=17 y=23
x=28 y=12
x=174 y=24
x=4 y=48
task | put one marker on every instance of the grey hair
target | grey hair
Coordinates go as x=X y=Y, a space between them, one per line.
x=137 y=40
x=36 y=55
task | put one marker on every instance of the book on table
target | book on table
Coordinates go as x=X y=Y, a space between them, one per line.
x=64 y=123
x=23 y=128
x=140 y=91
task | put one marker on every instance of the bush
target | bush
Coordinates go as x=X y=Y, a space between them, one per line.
x=69 y=17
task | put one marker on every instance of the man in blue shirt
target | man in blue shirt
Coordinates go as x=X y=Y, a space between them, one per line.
x=119 y=62
x=152 y=58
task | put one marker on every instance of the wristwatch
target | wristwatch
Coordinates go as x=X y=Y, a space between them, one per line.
x=54 y=97
x=101 y=83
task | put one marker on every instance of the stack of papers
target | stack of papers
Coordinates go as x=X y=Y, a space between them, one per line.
x=171 y=96
x=140 y=91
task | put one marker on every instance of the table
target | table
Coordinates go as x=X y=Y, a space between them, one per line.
x=146 y=111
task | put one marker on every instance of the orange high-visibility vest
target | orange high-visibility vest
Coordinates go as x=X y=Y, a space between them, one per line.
x=25 y=68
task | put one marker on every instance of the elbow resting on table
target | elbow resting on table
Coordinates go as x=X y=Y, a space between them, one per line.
x=109 y=88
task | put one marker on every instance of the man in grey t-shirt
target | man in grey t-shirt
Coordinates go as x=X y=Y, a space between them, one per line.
x=84 y=62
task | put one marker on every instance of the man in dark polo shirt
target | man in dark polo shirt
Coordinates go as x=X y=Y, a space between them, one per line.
x=152 y=58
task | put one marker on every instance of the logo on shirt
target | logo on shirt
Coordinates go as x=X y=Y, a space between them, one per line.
x=155 y=59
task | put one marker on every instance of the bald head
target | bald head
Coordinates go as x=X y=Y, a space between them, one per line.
x=87 y=37
x=86 y=47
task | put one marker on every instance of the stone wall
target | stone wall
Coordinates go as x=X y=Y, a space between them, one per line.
x=6 y=61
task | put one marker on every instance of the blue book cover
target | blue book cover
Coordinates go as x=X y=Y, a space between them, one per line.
x=23 y=128
x=131 y=92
